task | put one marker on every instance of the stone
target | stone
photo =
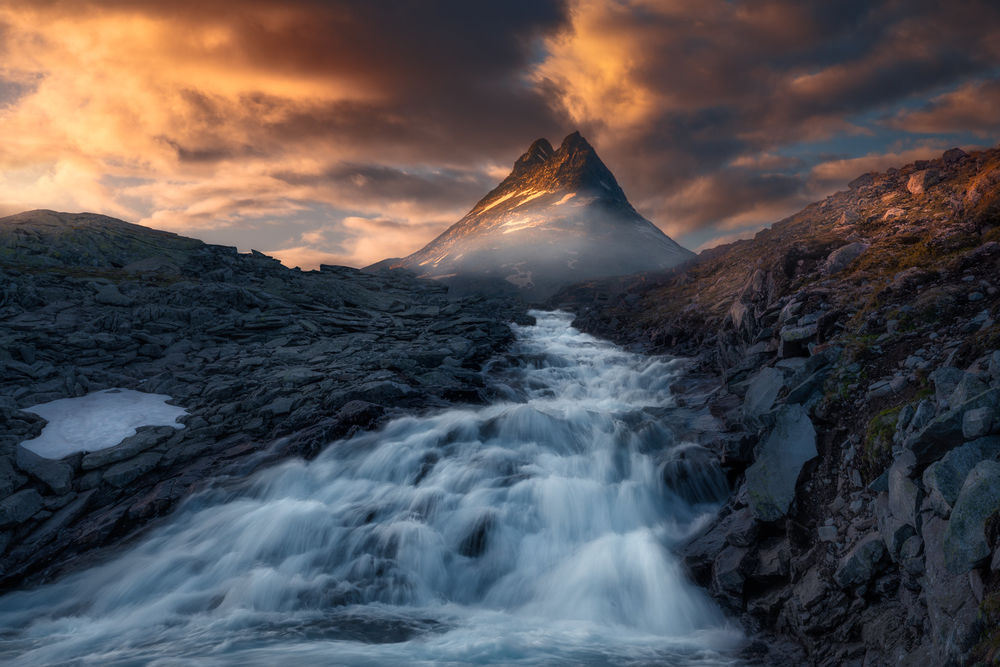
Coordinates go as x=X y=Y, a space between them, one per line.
x=968 y=387
x=943 y=479
x=8 y=477
x=904 y=496
x=121 y=474
x=977 y=422
x=861 y=564
x=995 y=365
x=945 y=431
x=110 y=296
x=919 y=181
x=965 y=543
x=727 y=574
x=762 y=391
x=827 y=533
x=771 y=479
x=772 y=561
x=945 y=380
x=894 y=531
x=144 y=439
x=798 y=334
x=57 y=475
x=19 y=507
x=842 y=257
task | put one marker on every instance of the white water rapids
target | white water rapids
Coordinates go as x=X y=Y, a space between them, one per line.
x=533 y=531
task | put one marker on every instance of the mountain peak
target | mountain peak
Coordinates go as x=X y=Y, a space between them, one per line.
x=575 y=143
x=538 y=153
x=559 y=216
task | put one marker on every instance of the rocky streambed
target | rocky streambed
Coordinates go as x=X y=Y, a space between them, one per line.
x=268 y=363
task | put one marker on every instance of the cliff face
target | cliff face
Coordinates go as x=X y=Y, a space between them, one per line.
x=859 y=354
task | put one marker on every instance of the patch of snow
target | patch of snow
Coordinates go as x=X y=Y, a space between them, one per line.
x=500 y=200
x=531 y=196
x=565 y=199
x=99 y=420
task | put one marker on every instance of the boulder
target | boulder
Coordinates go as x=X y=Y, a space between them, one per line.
x=57 y=475
x=945 y=381
x=904 y=495
x=762 y=391
x=968 y=387
x=894 y=531
x=772 y=478
x=841 y=258
x=110 y=296
x=965 y=543
x=943 y=479
x=995 y=366
x=727 y=575
x=977 y=422
x=945 y=431
x=8 y=477
x=19 y=507
x=861 y=564
x=921 y=180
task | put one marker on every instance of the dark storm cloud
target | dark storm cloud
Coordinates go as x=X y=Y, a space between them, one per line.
x=715 y=116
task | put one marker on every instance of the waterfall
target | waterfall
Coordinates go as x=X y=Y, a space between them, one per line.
x=534 y=530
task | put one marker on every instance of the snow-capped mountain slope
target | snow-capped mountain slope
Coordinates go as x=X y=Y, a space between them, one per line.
x=558 y=218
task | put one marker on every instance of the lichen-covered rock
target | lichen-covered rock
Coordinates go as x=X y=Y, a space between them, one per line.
x=772 y=477
x=965 y=544
x=841 y=258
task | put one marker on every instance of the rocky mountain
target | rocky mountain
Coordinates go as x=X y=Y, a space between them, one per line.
x=269 y=362
x=558 y=218
x=855 y=351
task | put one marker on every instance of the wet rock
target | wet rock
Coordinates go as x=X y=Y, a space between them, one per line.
x=57 y=475
x=19 y=507
x=965 y=544
x=861 y=564
x=772 y=478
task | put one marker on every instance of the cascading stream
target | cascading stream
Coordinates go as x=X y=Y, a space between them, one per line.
x=532 y=531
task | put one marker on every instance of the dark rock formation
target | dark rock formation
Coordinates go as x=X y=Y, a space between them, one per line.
x=269 y=362
x=875 y=312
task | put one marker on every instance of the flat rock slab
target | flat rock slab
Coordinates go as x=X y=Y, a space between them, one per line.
x=97 y=421
x=772 y=477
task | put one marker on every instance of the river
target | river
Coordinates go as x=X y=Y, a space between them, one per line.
x=536 y=530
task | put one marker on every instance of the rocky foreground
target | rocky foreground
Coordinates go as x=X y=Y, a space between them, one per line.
x=858 y=348
x=269 y=363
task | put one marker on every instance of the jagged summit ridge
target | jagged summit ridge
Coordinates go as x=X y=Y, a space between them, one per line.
x=559 y=217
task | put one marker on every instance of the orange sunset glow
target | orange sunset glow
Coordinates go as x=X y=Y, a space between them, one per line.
x=350 y=132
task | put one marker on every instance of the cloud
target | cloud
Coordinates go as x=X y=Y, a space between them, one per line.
x=256 y=123
x=971 y=107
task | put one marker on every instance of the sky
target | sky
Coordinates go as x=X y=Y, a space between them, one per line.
x=349 y=132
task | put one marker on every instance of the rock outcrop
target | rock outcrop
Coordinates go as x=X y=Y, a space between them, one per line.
x=873 y=314
x=269 y=362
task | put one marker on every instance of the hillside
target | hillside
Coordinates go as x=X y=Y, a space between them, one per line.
x=856 y=351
